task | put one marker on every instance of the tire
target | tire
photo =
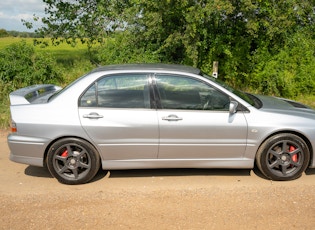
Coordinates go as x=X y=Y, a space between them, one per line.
x=73 y=161
x=283 y=157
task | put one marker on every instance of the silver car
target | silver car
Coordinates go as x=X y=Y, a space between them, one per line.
x=157 y=116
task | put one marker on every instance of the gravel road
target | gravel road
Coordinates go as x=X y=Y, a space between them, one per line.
x=153 y=199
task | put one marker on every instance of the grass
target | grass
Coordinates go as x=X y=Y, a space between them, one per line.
x=52 y=48
x=4 y=42
x=307 y=100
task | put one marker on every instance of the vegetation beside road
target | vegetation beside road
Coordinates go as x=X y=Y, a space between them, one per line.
x=265 y=47
x=22 y=64
x=24 y=61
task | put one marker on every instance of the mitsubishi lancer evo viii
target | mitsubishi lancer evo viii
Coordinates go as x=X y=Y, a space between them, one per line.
x=146 y=116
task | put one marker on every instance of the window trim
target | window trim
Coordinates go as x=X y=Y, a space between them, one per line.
x=159 y=103
x=147 y=75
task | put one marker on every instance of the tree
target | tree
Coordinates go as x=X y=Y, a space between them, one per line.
x=3 y=33
x=288 y=73
x=86 y=20
x=238 y=34
x=196 y=32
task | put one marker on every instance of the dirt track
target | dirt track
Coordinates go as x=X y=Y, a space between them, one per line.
x=153 y=199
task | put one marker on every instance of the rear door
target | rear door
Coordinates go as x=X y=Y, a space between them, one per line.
x=116 y=113
x=195 y=122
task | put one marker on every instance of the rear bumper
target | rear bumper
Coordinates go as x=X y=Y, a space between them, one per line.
x=27 y=150
x=27 y=160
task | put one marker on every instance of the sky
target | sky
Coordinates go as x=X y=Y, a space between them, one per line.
x=12 y=11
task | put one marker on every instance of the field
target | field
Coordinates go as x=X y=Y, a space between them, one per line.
x=62 y=49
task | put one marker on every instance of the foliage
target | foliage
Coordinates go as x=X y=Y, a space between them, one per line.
x=19 y=34
x=20 y=66
x=13 y=33
x=200 y=32
x=117 y=50
x=250 y=39
x=288 y=73
x=88 y=21
x=262 y=46
x=4 y=33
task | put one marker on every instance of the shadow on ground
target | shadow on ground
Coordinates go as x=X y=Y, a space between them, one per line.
x=43 y=172
x=310 y=171
x=178 y=172
x=37 y=172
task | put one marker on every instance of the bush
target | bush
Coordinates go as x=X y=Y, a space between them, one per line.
x=118 y=49
x=20 y=66
x=288 y=73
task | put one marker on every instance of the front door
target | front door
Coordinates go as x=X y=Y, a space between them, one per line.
x=195 y=122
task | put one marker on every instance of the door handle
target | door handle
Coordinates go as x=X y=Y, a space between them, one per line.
x=93 y=116
x=172 y=117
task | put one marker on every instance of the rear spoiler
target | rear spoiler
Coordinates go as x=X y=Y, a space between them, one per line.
x=29 y=94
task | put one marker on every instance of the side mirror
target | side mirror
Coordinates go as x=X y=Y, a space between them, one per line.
x=233 y=107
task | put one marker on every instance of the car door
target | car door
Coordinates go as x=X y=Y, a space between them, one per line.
x=116 y=113
x=195 y=122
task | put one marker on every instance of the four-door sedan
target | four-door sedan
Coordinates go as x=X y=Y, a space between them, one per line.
x=157 y=116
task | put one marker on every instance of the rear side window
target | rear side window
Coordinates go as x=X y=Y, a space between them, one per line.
x=118 y=91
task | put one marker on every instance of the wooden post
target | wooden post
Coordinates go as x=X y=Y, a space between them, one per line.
x=215 y=69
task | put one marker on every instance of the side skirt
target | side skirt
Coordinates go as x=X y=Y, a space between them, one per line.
x=183 y=163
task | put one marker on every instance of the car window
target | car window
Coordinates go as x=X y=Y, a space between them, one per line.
x=180 y=92
x=118 y=91
x=250 y=99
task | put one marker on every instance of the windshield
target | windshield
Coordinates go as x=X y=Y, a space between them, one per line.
x=245 y=96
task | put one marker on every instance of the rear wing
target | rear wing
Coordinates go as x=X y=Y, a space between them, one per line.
x=29 y=94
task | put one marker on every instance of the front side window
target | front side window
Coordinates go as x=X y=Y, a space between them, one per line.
x=180 y=92
x=118 y=91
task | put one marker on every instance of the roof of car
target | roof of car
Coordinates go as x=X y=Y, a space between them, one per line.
x=159 y=66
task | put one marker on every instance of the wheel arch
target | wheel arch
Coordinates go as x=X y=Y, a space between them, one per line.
x=308 y=143
x=60 y=138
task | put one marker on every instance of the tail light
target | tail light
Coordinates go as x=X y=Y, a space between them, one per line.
x=13 y=127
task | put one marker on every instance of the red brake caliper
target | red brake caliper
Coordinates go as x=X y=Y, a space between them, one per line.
x=65 y=153
x=294 y=157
